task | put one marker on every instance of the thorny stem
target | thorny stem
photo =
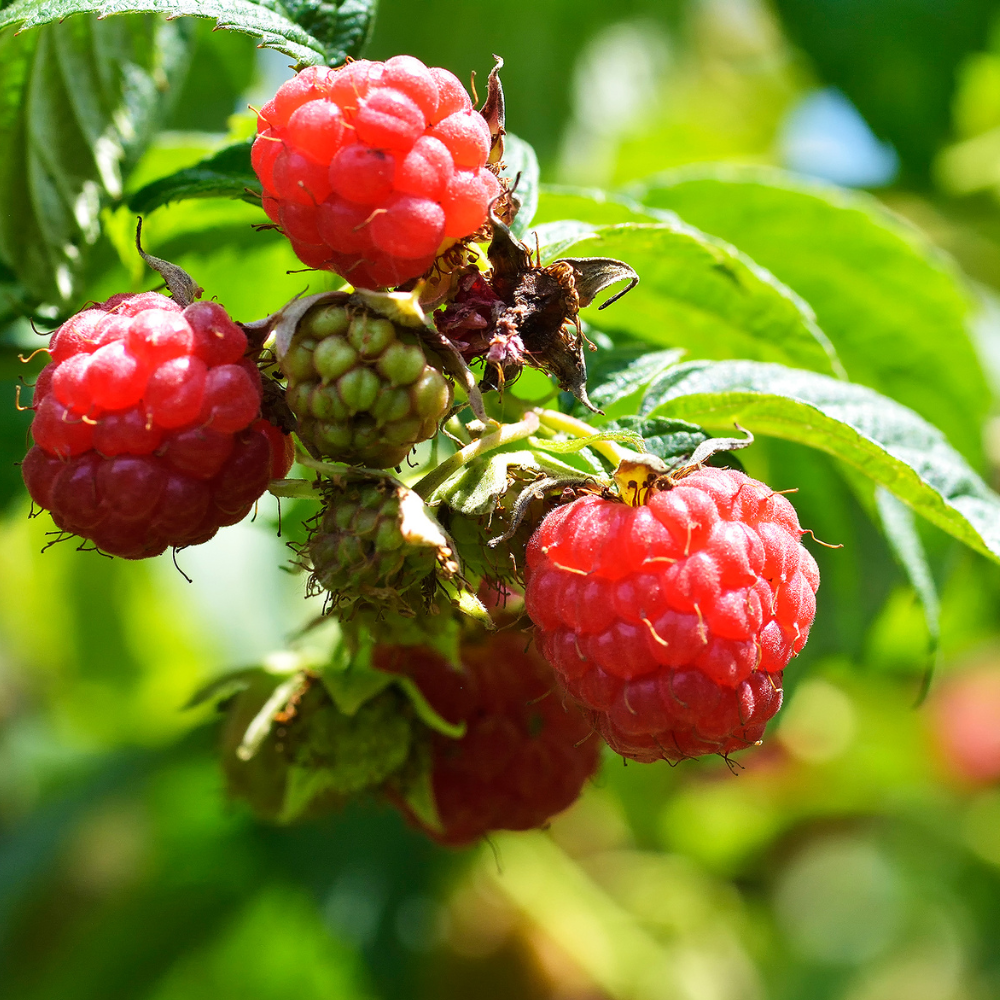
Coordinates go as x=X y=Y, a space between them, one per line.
x=504 y=434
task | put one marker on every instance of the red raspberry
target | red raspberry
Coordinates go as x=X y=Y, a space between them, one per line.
x=672 y=621
x=523 y=758
x=370 y=167
x=146 y=427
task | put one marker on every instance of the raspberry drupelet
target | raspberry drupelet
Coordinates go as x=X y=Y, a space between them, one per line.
x=671 y=622
x=524 y=756
x=369 y=168
x=147 y=426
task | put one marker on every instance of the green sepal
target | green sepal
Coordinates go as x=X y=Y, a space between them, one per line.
x=476 y=487
x=352 y=681
x=414 y=783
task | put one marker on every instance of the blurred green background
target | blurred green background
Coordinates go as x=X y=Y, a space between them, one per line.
x=856 y=855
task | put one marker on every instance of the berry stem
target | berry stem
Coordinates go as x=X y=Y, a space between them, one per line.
x=612 y=451
x=504 y=434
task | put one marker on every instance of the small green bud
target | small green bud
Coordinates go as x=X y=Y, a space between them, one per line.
x=332 y=438
x=402 y=431
x=392 y=404
x=326 y=405
x=299 y=397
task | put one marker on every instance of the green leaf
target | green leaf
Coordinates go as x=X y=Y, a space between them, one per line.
x=78 y=102
x=663 y=437
x=901 y=532
x=225 y=174
x=519 y=159
x=893 y=305
x=591 y=205
x=887 y=442
x=276 y=29
x=352 y=681
x=344 y=27
x=697 y=292
x=623 y=374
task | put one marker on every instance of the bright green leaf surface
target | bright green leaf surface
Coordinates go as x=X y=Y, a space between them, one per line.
x=276 y=29
x=887 y=442
x=225 y=174
x=697 y=292
x=891 y=303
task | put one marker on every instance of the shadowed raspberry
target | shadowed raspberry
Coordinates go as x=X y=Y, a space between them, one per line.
x=369 y=167
x=524 y=756
x=146 y=427
x=671 y=622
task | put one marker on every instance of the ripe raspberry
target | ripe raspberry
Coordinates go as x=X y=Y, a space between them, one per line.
x=146 y=426
x=672 y=621
x=363 y=389
x=358 y=552
x=524 y=756
x=370 y=167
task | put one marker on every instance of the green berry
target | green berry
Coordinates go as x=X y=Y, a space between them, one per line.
x=357 y=552
x=363 y=388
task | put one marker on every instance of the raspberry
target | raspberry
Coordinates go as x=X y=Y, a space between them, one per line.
x=671 y=622
x=363 y=389
x=146 y=426
x=524 y=757
x=370 y=167
x=315 y=756
x=358 y=552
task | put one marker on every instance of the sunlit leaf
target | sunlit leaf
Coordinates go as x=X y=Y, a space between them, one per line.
x=891 y=303
x=697 y=292
x=884 y=440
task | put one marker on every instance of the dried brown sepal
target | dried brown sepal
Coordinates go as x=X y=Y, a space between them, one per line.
x=493 y=110
x=524 y=313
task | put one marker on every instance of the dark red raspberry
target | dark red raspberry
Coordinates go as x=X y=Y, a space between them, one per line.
x=370 y=167
x=672 y=621
x=146 y=427
x=524 y=756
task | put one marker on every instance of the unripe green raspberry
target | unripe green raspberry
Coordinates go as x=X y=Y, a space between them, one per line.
x=314 y=755
x=366 y=552
x=364 y=389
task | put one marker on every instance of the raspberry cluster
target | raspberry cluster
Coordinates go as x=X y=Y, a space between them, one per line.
x=524 y=756
x=672 y=621
x=146 y=426
x=370 y=167
x=363 y=389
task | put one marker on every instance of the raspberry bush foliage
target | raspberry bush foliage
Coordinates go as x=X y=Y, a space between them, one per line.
x=511 y=406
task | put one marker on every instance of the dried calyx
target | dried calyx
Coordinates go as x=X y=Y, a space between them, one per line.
x=522 y=313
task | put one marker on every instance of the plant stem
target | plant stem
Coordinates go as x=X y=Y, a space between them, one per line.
x=504 y=434
x=612 y=451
